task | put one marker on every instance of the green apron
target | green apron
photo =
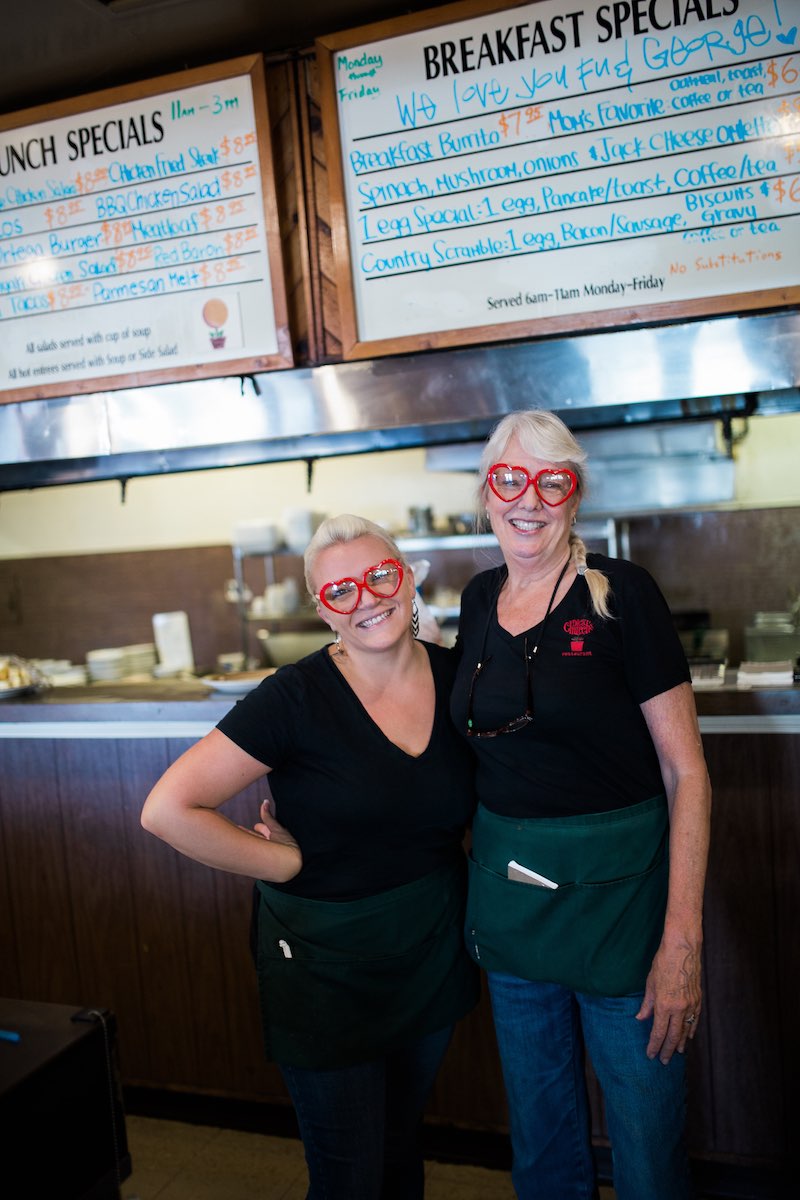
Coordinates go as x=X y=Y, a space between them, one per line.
x=344 y=982
x=599 y=930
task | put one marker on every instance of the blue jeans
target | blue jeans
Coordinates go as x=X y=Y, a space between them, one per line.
x=541 y=1032
x=361 y=1126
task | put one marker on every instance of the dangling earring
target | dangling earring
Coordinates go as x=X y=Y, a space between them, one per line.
x=575 y=519
x=338 y=646
x=415 y=617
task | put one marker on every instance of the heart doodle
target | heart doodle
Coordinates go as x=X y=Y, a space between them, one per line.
x=788 y=38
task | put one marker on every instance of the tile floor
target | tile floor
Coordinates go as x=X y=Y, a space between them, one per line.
x=176 y=1161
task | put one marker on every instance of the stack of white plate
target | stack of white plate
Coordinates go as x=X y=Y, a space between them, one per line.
x=60 y=672
x=118 y=662
x=140 y=658
x=107 y=665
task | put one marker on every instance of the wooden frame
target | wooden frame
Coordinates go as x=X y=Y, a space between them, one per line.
x=773 y=285
x=232 y=241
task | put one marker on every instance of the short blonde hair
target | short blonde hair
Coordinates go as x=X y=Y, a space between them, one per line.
x=542 y=434
x=339 y=531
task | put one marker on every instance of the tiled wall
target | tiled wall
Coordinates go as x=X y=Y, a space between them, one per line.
x=731 y=563
x=62 y=607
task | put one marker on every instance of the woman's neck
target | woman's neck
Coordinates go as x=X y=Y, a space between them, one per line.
x=534 y=574
x=526 y=599
x=377 y=669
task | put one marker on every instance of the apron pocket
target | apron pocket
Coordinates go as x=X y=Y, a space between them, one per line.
x=343 y=983
x=598 y=937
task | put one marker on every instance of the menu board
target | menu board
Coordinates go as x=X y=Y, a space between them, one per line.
x=502 y=170
x=138 y=237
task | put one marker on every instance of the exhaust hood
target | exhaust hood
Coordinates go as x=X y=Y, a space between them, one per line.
x=719 y=368
x=644 y=468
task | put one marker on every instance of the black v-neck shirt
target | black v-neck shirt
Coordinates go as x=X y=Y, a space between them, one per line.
x=367 y=815
x=588 y=748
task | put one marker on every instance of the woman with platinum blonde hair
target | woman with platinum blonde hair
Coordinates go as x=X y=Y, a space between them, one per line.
x=544 y=433
x=590 y=840
x=358 y=861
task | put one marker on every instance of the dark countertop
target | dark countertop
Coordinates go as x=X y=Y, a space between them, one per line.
x=733 y=701
x=191 y=700
x=152 y=700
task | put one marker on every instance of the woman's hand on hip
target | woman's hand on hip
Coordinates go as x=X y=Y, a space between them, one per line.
x=270 y=828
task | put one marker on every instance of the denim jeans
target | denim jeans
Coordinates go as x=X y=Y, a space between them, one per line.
x=361 y=1126
x=542 y=1029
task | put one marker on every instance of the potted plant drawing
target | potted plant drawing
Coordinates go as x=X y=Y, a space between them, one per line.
x=215 y=314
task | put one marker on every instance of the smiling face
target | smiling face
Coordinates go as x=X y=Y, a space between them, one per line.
x=377 y=622
x=526 y=528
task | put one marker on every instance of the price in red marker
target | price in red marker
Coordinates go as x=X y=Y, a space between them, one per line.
x=515 y=122
x=784 y=72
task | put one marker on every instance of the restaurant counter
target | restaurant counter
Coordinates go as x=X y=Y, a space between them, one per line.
x=163 y=707
x=161 y=702
x=96 y=910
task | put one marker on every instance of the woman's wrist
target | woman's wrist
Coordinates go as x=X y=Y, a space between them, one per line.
x=684 y=932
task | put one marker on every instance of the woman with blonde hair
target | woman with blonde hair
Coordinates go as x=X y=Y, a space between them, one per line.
x=361 y=876
x=591 y=835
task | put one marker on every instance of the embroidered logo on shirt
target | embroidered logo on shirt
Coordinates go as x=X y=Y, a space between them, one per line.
x=578 y=631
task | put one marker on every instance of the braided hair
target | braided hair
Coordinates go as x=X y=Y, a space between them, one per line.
x=596 y=581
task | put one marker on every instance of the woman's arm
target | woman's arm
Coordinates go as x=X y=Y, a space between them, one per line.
x=673 y=990
x=182 y=809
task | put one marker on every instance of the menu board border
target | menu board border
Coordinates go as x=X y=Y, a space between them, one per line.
x=353 y=347
x=252 y=66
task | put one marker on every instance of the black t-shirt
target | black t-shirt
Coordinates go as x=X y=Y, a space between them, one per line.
x=367 y=815
x=588 y=748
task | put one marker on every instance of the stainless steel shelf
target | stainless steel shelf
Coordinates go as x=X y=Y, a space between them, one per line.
x=590 y=529
x=446 y=541
x=608 y=531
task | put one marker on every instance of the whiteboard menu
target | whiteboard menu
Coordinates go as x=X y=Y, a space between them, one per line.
x=138 y=237
x=504 y=170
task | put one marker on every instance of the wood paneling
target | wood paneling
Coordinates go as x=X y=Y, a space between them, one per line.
x=99 y=912
x=287 y=152
x=325 y=294
x=38 y=919
x=168 y=1051
x=748 y=1047
x=742 y=1049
